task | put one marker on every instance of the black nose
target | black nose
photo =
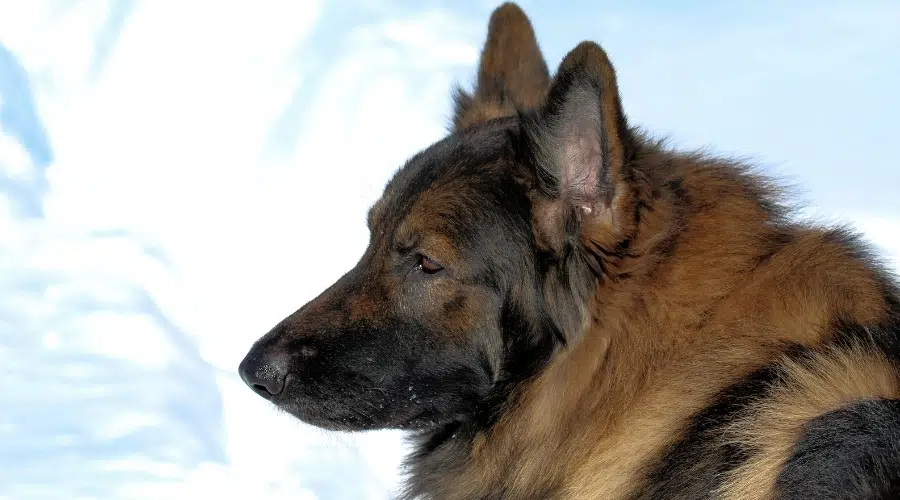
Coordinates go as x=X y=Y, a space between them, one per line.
x=264 y=371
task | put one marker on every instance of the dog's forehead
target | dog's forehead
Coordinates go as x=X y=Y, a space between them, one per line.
x=460 y=162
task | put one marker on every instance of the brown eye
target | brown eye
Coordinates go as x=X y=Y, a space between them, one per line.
x=428 y=265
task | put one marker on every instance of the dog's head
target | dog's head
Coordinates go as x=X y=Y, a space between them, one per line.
x=478 y=267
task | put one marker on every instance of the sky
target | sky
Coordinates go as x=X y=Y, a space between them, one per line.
x=176 y=177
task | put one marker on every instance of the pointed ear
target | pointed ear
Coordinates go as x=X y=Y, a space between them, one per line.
x=512 y=74
x=579 y=145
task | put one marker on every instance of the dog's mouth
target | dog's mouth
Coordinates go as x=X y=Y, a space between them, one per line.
x=302 y=400
x=355 y=408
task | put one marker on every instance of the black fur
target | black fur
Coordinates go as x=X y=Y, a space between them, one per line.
x=694 y=466
x=852 y=453
x=529 y=338
x=697 y=464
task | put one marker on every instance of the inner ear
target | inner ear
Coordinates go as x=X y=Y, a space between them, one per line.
x=579 y=144
x=512 y=73
x=577 y=158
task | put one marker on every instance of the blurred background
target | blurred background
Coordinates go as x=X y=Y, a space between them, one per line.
x=177 y=176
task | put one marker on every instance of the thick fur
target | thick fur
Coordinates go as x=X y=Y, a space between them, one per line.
x=557 y=306
x=848 y=453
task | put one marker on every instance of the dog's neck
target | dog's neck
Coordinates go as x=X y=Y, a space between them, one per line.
x=640 y=310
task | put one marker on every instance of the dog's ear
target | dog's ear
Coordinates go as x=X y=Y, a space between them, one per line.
x=512 y=74
x=579 y=144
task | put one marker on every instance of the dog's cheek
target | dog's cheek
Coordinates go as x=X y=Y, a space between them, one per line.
x=472 y=324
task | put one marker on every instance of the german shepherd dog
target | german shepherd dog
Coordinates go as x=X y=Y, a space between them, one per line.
x=555 y=305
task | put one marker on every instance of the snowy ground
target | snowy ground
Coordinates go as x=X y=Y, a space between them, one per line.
x=175 y=177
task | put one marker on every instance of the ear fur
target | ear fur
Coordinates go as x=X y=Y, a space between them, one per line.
x=512 y=73
x=579 y=145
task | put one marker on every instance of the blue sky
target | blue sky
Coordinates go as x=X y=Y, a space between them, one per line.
x=173 y=177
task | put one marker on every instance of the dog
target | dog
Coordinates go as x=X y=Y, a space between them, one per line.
x=555 y=305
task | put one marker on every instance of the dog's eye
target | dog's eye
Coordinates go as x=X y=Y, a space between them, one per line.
x=428 y=266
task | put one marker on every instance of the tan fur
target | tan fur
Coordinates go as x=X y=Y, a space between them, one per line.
x=673 y=324
x=663 y=342
x=511 y=74
x=830 y=381
x=624 y=398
